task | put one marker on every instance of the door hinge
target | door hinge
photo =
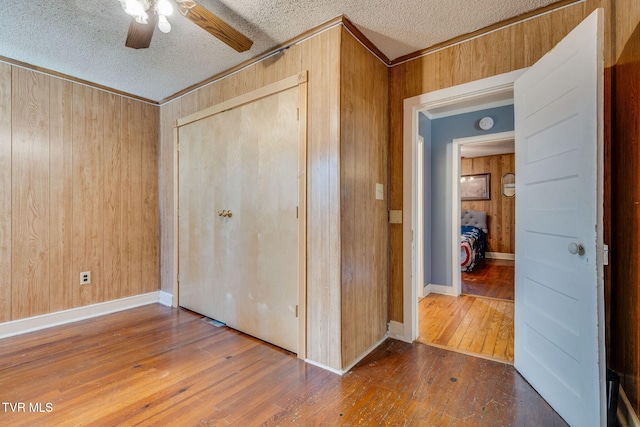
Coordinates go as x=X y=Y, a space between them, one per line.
x=605 y=253
x=298 y=114
x=296 y=212
x=178 y=147
x=296 y=310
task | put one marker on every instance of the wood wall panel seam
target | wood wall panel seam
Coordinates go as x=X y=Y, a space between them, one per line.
x=6 y=193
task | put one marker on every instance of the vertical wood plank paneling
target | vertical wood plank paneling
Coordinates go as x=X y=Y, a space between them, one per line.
x=320 y=56
x=399 y=84
x=61 y=194
x=500 y=210
x=61 y=210
x=507 y=49
x=625 y=222
x=166 y=197
x=131 y=201
x=324 y=276
x=363 y=219
x=5 y=192
x=112 y=214
x=88 y=185
x=30 y=194
x=149 y=210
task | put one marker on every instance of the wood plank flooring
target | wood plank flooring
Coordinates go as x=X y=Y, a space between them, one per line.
x=156 y=365
x=468 y=324
x=493 y=278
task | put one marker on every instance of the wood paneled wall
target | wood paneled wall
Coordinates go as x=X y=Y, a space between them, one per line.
x=519 y=46
x=507 y=49
x=345 y=119
x=363 y=219
x=625 y=184
x=320 y=55
x=5 y=191
x=500 y=210
x=78 y=192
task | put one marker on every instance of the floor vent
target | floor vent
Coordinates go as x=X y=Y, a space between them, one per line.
x=213 y=322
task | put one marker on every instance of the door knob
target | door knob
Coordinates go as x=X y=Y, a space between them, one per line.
x=576 y=248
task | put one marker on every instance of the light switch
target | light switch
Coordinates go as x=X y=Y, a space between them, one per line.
x=379 y=192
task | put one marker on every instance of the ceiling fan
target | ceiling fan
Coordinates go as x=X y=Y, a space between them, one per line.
x=146 y=14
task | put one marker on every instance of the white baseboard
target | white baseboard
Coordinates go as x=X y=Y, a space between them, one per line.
x=363 y=355
x=500 y=255
x=626 y=415
x=395 y=330
x=325 y=367
x=165 y=298
x=432 y=288
x=354 y=363
x=30 y=324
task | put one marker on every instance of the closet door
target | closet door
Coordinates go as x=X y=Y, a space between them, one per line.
x=238 y=217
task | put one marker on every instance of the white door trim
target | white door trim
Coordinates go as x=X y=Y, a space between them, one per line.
x=455 y=197
x=419 y=230
x=412 y=106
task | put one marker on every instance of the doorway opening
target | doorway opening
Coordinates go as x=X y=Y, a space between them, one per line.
x=477 y=316
x=491 y=92
x=460 y=168
x=483 y=187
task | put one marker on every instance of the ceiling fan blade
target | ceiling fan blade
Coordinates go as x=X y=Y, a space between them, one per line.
x=202 y=17
x=139 y=35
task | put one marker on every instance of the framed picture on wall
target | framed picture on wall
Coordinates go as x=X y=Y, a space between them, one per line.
x=475 y=187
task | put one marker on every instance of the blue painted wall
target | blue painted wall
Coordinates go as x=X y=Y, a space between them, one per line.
x=441 y=133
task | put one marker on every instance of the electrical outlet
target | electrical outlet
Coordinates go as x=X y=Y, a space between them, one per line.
x=85 y=277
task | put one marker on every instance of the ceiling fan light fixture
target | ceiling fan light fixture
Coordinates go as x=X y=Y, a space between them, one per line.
x=164 y=7
x=163 y=24
x=136 y=9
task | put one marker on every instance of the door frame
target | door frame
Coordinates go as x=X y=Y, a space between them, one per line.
x=465 y=94
x=457 y=144
x=418 y=237
x=300 y=80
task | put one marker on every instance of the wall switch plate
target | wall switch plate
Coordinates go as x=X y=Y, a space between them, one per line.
x=85 y=277
x=379 y=192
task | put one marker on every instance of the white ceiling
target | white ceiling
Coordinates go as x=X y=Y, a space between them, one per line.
x=85 y=38
x=487 y=149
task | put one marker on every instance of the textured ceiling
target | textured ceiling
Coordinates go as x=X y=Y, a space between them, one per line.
x=85 y=38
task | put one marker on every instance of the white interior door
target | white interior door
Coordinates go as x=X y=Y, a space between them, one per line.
x=559 y=323
x=238 y=217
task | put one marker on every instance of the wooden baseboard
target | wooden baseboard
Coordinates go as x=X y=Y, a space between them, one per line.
x=626 y=415
x=30 y=324
x=500 y=255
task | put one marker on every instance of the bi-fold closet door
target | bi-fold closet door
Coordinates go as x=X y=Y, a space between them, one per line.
x=241 y=229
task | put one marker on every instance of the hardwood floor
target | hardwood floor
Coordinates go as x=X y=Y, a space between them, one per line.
x=471 y=325
x=155 y=365
x=493 y=278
